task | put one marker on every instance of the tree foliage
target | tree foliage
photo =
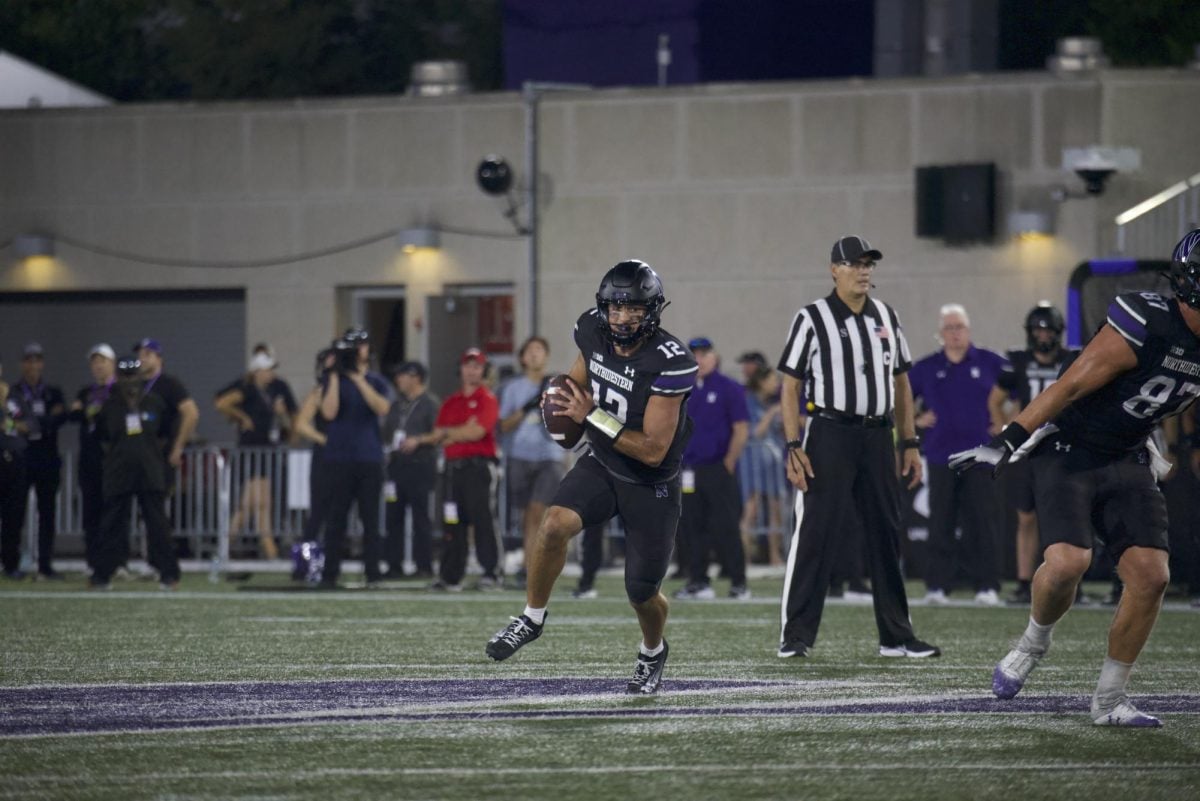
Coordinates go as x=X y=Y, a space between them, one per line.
x=225 y=49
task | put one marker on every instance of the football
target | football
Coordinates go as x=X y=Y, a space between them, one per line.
x=563 y=430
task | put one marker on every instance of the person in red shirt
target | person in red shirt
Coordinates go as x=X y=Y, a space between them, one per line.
x=466 y=428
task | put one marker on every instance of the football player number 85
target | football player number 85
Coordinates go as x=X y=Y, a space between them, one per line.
x=617 y=404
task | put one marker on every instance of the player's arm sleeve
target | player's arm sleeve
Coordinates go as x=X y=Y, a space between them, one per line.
x=796 y=352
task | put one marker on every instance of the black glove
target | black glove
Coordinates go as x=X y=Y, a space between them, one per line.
x=996 y=452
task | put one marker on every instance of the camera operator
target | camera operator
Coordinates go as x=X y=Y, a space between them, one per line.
x=352 y=401
x=128 y=428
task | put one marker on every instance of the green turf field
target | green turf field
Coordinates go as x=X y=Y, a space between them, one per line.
x=218 y=692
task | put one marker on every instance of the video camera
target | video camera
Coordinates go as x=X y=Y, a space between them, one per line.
x=345 y=353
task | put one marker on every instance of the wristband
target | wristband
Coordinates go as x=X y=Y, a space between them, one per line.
x=1013 y=436
x=910 y=444
x=793 y=444
x=605 y=423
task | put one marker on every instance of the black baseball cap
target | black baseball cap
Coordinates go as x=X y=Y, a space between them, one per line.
x=853 y=248
x=412 y=368
x=754 y=357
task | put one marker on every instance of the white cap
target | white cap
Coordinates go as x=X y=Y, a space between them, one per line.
x=103 y=349
x=261 y=361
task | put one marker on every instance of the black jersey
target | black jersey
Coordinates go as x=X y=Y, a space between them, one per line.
x=1120 y=415
x=1024 y=377
x=622 y=386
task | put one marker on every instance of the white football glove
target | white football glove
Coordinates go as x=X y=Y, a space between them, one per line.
x=997 y=452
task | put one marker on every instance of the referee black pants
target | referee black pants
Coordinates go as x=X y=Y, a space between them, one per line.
x=854 y=468
x=972 y=499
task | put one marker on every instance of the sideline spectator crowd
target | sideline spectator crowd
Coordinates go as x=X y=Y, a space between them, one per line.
x=381 y=442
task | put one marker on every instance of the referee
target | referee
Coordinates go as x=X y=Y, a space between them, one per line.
x=848 y=355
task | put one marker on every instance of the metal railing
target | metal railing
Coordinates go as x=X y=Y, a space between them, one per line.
x=213 y=513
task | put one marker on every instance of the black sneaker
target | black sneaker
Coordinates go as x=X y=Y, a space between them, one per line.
x=509 y=639
x=793 y=648
x=914 y=648
x=647 y=673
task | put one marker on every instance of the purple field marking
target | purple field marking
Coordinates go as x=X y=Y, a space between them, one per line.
x=125 y=708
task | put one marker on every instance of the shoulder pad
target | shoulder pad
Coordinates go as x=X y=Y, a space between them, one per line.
x=1135 y=315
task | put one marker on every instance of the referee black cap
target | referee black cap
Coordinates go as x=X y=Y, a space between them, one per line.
x=853 y=248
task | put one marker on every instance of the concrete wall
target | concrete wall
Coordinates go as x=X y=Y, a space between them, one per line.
x=733 y=192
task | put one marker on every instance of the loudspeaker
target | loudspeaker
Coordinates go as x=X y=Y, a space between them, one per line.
x=930 y=221
x=957 y=202
x=970 y=203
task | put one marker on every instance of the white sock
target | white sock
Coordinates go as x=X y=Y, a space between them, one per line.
x=650 y=651
x=536 y=615
x=1036 y=638
x=1114 y=676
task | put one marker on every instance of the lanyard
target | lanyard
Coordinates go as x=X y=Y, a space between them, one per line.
x=99 y=392
x=150 y=384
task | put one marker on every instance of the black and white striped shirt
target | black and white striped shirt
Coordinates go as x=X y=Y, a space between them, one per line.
x=847 y=361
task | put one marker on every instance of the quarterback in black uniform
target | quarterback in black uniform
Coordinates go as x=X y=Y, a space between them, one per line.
x=1026 y=376
x=630 y=382
x=1093 y=475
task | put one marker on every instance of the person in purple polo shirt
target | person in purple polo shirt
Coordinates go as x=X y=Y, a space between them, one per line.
x=712 y=498
x=953 y=385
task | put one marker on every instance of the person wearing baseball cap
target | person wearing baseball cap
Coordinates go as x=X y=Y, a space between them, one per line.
x=182 y=413
x=353 y=399
x=39 y=410
x=466 y=426
x=411 y=470
x=262 y=406
x=712 y=496
x=849 y=352
x=102 y=362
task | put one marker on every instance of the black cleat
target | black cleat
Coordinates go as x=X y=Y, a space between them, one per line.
x=509 y=640
x=647 y=673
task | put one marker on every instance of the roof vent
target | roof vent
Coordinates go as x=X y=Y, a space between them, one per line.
x=1077 y=54
x=438 y=78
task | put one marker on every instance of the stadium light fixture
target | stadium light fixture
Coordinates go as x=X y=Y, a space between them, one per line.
x=413 y=239
x=1028 y=224
x=28 y=246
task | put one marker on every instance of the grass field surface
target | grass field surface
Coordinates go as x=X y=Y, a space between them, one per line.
x=239 y=691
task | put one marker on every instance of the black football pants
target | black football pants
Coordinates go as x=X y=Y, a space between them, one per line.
x=854 y=467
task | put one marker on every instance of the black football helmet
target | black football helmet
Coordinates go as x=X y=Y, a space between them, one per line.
x=1184 y=272
x=1044 y=316
x=631 y=283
